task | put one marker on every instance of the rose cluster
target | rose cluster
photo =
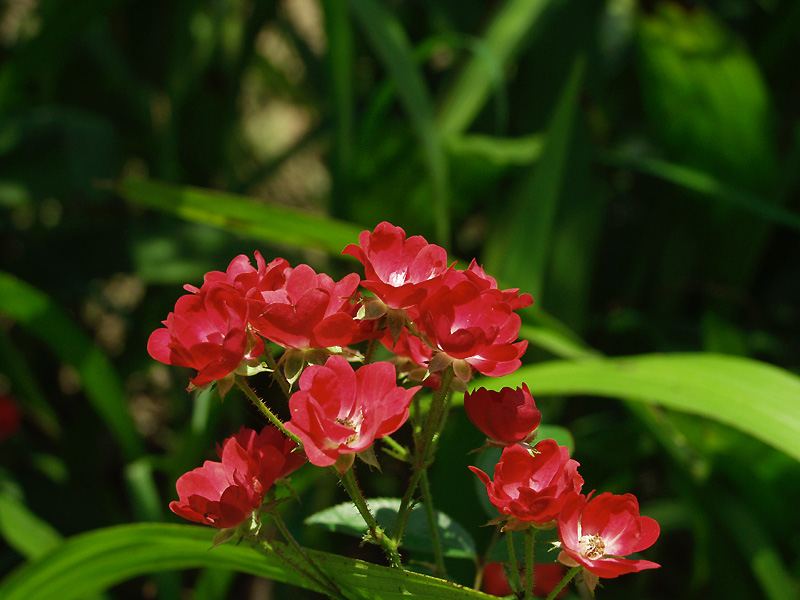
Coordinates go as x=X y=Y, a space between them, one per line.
x=435 y=319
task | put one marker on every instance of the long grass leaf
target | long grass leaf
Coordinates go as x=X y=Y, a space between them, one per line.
x=41 y=317
x=391 y=43
x=243 y=216
x=499 y=46
x=94 y=561
x=751 y=396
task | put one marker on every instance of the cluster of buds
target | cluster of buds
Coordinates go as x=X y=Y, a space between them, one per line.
x=435 y=319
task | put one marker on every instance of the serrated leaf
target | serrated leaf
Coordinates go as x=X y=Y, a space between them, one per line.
x=344 y=518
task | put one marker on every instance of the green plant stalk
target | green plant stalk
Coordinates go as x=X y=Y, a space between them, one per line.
x=424 y=452
x=530 y=538
x=563 y=583
x=348 y=479
x=369 y=354
x=242 y=384
x=287 y=535
x=277 y=374
x=430 y=513
x=514 y=580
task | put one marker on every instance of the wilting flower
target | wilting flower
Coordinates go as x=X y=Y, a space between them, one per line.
x=398 y=271
x=208 y=332
x=506 y=417
x=531 y=486
x=342 y=411
x=473 y=326
x=596 y=533
x=225 y=494
x=311 y=310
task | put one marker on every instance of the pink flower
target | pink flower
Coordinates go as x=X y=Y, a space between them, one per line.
x=472 y=325
x=597 y=533
x=531 y=486
x=508 y=416
x=340 y=411
x=398 y=271
x=208 y=332
x=225 y=494
x=311 y=311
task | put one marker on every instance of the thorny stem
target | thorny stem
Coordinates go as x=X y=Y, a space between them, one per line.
x=425 y=448
x=562 y=584
x=277 y=373
x=242 y=384
x=369 y=354
x=515 y=582
x=430 y=513
x=530 y=536
x=287 y=535
x=348 y=479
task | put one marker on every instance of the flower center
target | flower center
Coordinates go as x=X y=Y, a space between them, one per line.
x=591 y=546
x=350 y=424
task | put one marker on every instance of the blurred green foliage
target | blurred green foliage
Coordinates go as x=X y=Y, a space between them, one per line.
x=633 y=164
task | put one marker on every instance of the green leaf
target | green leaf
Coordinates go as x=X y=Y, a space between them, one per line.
x=41 y=317
x=519 y=246
x=97 y=560
x=386 y=34
x=754 y=397
x=497 y=49
x=242 y=215
x=24 y=531
x=344 y=518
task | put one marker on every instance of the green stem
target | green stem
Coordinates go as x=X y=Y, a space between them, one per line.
x=399 y=451
x=348 y=479
x=430 y=513
x=562 y=584
x=425 y=448
x=287 y=535
x=369 y=354
x=515 y=582
x=242 y=384
x=530 y=537
x=277 y=374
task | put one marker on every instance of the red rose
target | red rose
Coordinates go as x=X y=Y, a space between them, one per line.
x=472 y=325
x=597 y=533
x=311 y=310
x=225 y=494
x=398 y=271
x=477 y=275
x=508 y=416
x=241 y=275
x=341 y=411
x=208 y=332
x=532 y=485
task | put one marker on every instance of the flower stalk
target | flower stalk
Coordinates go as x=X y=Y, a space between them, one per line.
x=514 y=580
x=242 y=384
x=530 y=538
x=563 y=583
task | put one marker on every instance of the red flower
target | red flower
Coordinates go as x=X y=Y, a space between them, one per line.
x=472 y=325
x=546 y=577
x=225 y=494
x=531 y=486
x=208 y=332
x=242 y=276
x=508 y=416
x=341 y=411
x=398 y=271
x=311 y=311
x=477 y=275
x=9 y=417
x=597 y=533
